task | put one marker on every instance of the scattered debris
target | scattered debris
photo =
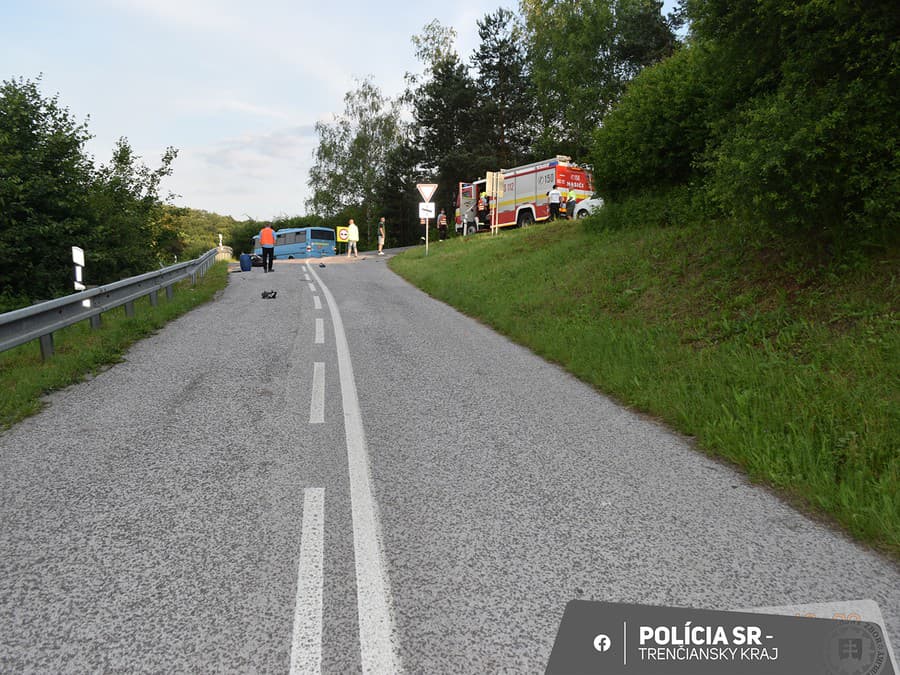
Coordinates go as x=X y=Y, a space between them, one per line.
x=321 y=264
x=266 y=295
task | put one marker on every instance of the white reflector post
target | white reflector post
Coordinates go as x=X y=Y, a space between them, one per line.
x=78 y=259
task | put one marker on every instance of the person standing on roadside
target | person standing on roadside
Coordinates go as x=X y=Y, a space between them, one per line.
x=381 y=236
x=482 y=209
x=442 y=225
x=352 y=239
x=571 y=198
x=554 y=197
x=267 y=243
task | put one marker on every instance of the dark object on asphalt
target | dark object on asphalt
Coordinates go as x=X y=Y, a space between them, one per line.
x=266 y=295
x=255 y=260
x=321 y=264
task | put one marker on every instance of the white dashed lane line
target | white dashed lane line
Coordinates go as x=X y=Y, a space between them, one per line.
x=320 y=331
x=317 y=402
x=306 y=642
x=378 y=650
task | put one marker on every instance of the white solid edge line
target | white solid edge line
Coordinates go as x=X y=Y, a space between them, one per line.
x=306 y=641
x=317 y=301
x=378 y=648
x=317 y=400
x=320 y=331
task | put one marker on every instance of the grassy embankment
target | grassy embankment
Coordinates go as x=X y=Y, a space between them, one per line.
x=25 y=378
x=783 y=367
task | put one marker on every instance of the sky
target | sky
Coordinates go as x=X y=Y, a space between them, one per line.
x=235 y=86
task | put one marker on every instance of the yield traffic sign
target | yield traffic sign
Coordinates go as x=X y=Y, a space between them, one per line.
x=426 y=190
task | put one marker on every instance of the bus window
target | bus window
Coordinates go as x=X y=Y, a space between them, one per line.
x=326 y=235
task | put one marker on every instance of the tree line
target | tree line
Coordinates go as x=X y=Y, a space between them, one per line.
x=537 y=85
x=780 y=115
x=54 y=196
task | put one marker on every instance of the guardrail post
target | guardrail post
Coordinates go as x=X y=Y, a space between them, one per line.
x=46 y=346
x=129 y=310
x=95 y=321
x=154 y=298
x=170 y=292
x=194 y=278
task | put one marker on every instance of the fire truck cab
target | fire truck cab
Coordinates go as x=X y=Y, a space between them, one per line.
x=524 y=199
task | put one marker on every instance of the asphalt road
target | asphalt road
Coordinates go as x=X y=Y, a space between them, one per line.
x=352 y=476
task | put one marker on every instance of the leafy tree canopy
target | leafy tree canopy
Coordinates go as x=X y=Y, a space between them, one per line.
x=52 y=198
x=351 y=158
x=44 y=179
x=583 y=54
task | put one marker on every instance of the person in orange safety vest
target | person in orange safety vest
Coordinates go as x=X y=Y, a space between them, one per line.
x=267 y=243
x=442 y=225
x=483 y=207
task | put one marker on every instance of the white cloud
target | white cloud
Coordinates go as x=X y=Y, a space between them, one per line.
x=259 y=150
x=258 y=175
x=204 y=15
x=224 y=103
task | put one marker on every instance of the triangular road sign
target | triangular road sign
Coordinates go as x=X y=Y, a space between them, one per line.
x=426 y=190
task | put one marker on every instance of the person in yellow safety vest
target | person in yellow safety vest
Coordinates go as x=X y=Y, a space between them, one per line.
x=267 y=243
x=571 y=198
x=352 y=238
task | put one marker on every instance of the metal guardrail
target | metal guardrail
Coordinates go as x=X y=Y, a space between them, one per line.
x=38 y=322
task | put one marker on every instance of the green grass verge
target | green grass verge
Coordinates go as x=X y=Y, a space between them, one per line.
x=79 y=350
x=787 y=369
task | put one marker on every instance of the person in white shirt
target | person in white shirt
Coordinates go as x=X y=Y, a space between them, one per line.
x=554 y=197
x=352 y=238
x=381 y=236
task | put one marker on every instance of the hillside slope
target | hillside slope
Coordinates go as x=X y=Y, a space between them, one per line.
x=784 y=366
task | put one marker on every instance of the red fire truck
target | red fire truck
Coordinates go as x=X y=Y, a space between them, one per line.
x=524 y=197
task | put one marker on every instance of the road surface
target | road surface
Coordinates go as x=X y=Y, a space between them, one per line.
x=354 y=477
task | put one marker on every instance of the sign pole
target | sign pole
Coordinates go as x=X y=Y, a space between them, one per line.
x=494 y=188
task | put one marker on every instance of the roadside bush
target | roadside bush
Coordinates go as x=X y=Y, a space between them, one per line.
x=674 y=206
x=813 y=150
x=240 y=237
x=782 y=115
x=651 y=138
x=820 y=162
